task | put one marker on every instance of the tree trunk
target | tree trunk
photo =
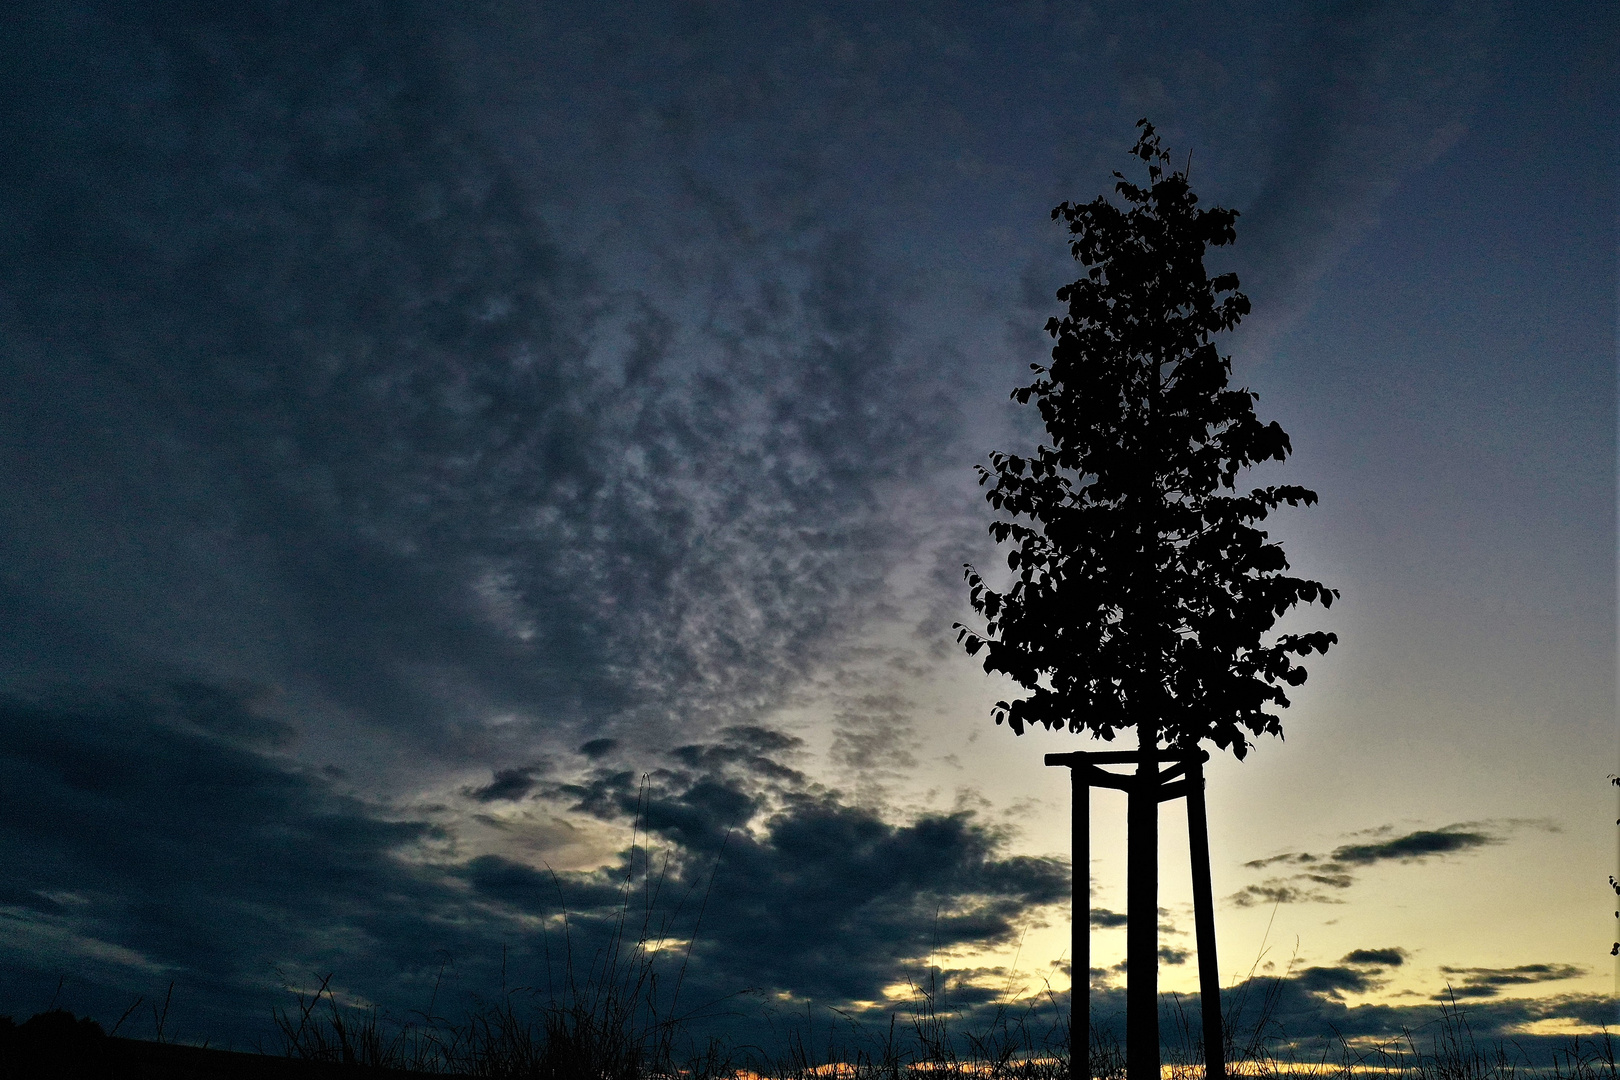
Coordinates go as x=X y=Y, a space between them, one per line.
x=1142 y=913
x=1142 y=812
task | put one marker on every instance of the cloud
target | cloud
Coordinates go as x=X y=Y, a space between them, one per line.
x=194 y=857
x=1414 y=846
x=1369 y=94
x=507 y=784
x=803 y=892
x=145 y=847
x=599 y=748
x=1292 y=858
x=1306 y=1015
x=1488 y=982
x=1104 y=919
x=1336 y=980
x=1276 y=891
x=874 y=736
x=327 y=403
x=1314 y=875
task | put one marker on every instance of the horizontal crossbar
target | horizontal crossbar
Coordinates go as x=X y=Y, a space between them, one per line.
x=1100 y=778
x=1123 y=757
x=1096 y=777
x=1167 y=775
x=1175 y=790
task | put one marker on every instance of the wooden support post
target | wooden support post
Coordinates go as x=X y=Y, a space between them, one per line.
x=1080 y=925
x=1209 y=972
x=1081 y=776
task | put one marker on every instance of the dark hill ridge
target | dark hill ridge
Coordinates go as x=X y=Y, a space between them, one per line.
x=55 y=1046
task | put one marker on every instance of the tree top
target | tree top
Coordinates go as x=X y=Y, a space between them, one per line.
x=1143 y=593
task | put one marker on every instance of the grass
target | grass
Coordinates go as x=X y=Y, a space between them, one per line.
x=611 y=1031
x=599 y=1035
x=595 y=1039
x=921 y=1042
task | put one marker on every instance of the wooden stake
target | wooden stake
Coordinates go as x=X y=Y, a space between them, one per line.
x=1080 y=924
x=1209 y=972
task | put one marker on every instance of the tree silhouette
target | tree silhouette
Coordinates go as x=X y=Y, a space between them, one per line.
x=1143 y=594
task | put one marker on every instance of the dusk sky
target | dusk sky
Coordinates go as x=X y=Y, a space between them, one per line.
x=440 y=441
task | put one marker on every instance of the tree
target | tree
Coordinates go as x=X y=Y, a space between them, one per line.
x=1143 y=595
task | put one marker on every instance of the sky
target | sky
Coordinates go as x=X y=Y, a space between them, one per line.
x=466 y=469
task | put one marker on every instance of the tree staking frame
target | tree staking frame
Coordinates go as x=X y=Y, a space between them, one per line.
x=1183 y=779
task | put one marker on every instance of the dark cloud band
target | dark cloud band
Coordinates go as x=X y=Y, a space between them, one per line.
x=1313 y=876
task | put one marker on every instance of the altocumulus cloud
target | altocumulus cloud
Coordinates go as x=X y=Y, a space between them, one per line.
x=317 y=398
x=433 y=366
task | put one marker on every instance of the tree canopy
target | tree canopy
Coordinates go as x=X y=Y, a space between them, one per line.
x=1143 y=593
